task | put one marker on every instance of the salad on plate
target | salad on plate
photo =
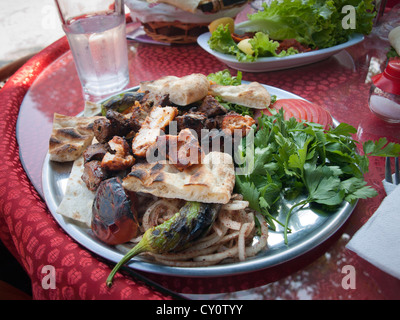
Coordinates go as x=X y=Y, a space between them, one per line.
x=288 y=27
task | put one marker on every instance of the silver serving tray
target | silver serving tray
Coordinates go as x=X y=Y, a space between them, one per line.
x=309 y=228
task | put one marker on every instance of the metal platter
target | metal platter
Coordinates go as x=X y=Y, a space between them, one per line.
x=309 y=228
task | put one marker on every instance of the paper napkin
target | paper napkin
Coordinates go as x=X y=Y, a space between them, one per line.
x=378 y=240
x=389 y=187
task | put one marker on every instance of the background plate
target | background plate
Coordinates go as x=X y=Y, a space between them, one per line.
x=274 y=63
x=309 y=228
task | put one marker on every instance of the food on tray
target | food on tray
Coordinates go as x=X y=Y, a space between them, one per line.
x=181 y=91
x=77 y=201
x=302 y=110
x=288 y=27
x=114 y=217
x=70 y=137
x=252 y=95
x=182 y=203
x=190 y=223
x=153 y=125
x=211 y=181
x=181 y=21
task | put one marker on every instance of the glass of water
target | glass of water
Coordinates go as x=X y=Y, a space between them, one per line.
x=96 y=34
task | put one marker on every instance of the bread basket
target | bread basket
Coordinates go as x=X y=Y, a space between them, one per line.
x=169 y=24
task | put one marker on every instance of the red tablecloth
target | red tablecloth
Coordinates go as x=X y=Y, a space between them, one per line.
x=48 y=83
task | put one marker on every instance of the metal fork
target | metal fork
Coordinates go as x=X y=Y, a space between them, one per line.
x=388 y=171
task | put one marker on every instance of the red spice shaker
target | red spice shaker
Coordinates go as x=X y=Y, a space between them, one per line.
x=384 y=98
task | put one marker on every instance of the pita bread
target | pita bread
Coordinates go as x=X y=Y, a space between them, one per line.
x=78 y=199
x=186 y=5
x=252 y=95
x=210 y=182
x=181 y=91
x=70 y=137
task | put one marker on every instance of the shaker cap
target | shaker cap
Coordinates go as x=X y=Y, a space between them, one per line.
x=389 y=80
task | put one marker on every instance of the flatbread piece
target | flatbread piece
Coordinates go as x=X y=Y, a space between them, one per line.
x=78 y=199
x=210 y=182
x=70 y=137
x=182 y=91
x=252 y=95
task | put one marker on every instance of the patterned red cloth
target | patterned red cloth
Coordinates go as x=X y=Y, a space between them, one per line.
x=26 y=227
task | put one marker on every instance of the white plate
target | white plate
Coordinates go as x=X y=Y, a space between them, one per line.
x=274 y=63
x=309 y=228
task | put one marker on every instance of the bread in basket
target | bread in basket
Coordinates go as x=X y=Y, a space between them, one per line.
x=181 y=21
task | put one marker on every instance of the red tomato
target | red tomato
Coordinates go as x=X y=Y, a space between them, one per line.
x=301 y=110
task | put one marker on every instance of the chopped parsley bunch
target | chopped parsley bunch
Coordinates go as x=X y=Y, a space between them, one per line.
x=294 y=158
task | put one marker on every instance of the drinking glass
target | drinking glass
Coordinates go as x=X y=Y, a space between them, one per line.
x=96 y=33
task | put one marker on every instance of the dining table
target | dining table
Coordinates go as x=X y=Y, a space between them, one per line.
x=48 y=83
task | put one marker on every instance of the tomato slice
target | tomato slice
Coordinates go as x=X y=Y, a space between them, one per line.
x=311 y=115
x=294 y=107
x=289 y=109
x=287 y=112
x=326 y=120
x=301 y=110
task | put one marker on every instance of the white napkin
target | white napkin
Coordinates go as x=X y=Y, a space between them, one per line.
x=378 y=240
x=389 y=187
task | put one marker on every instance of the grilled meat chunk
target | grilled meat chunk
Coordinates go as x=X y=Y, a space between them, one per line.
x=93 y=174
x=233 y=121
x=151 y=128
x=217 y=140
x=138 y=114
x=192 y=120
x=114 y=124
x=103 y=130
x=160 y=100
x=211 y=107
x=182 y=150
x=95 y=151
x=121 y=159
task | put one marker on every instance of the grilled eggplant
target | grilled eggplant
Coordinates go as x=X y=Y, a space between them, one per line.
x=192 y=222
x=122 y=101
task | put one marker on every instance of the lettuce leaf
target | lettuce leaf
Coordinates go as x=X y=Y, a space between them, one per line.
x=315 y=23
x=221 y=41
x=225 y=78
x=264 y=47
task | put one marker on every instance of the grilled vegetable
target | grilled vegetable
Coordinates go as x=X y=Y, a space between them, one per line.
x=189 y=224
x=121 y=102
x=114 y=216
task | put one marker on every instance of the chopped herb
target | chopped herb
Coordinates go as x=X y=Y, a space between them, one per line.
x=301 y=158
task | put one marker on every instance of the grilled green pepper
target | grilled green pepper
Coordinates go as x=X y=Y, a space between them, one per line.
x=121 y=102
x=192 y=222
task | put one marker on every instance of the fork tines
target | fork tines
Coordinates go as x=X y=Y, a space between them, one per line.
x=388 y=171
